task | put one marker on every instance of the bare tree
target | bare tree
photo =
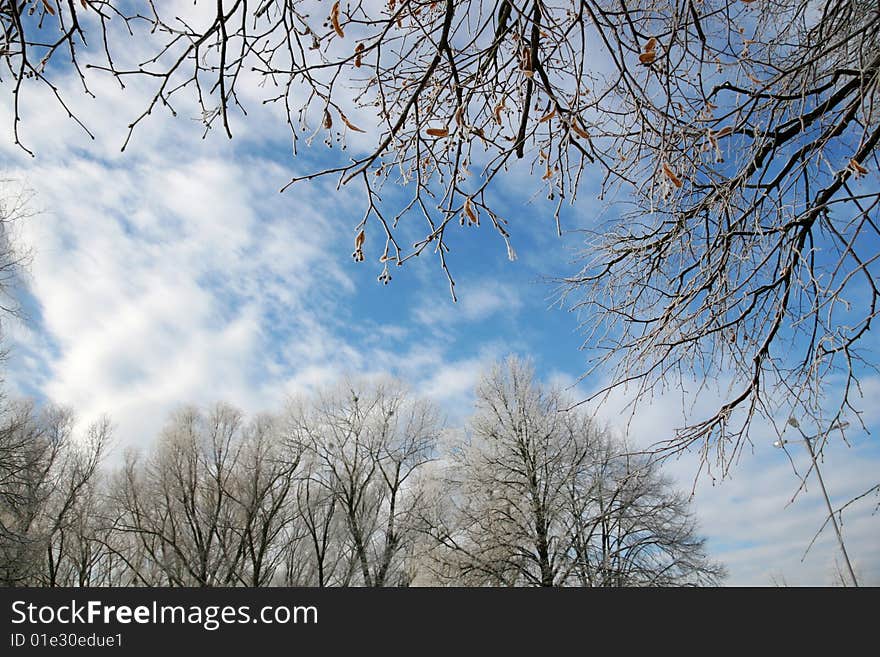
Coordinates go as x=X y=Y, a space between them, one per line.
x=178 y=505
x=507 y=527
x=317 y=553
x=367 y=444
x=70 y=552
x=26 y=457
x=47 y=479
x=541 y=497
x=137 y=552
x=322 y=495
x=262 y=489
x=630 y=527
x=750 y=246
x=83 y=556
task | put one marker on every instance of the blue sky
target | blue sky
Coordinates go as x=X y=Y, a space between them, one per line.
x=175 y=272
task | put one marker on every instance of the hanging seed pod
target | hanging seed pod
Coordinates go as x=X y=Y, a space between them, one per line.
x=647 y=58
x=437 y=132
x=671 y=175
x=578 y=130
x=497 y=112
x=328 y=120
x=651 y=45
x=527 y=62
x=349 y=124
x=358 y=254
x=857 y=168
x=469 y=211
x=549 y=115
x=726 y=130
x=334 y=19
x=358 y=49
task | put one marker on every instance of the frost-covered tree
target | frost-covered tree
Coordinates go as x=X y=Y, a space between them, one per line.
x=366 y=445
x=537 y=495
x=48 y=480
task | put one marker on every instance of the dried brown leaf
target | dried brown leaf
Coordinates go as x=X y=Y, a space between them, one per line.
x=497 y=112
x=469 y=211
x=578 y=130
x=858 y=168
x=549 y=115
x=334 y=19
x=349 y=124
x=671 y=175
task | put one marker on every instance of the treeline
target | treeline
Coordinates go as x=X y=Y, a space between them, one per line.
x=357 y=485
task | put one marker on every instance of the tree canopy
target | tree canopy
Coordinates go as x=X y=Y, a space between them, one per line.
x=737 y=138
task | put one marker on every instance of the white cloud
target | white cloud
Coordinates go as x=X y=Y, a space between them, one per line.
x=167 y=275
x=453 y=383
x=484 y=299
x=757 y=522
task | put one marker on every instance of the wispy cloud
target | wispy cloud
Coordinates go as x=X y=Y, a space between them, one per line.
x=485 y=299
x=176 y=272
x=758 y=519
